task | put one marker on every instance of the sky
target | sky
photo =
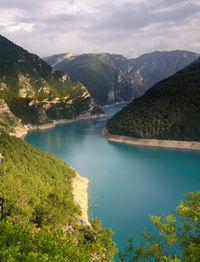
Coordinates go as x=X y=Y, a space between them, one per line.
x=130 y=28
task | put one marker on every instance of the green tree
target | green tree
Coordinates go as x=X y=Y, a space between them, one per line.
x=26 y=243
x=180 y=230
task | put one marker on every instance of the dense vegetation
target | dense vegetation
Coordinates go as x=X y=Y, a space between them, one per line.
x=35 y=185
x=114 y=78
x=25 y=243
x=169 y=110
x=36 y=93
x=176 y=237
x=38 y=217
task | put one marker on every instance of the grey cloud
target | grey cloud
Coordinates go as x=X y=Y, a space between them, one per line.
x=63 y=18
x=29 y=5
x=128 y=17
x=54 y=19
x=19 y=4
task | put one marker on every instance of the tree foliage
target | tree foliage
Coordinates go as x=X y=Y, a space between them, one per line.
x=36 y=185
x=179 y=230
x=26 y=243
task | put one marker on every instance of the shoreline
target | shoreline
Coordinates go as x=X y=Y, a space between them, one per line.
x=114 y=104
x=22 y=131
x=80 y=192
x=151 y=142
x=79 y=184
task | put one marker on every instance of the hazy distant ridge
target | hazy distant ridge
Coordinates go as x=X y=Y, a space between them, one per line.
x=113 y=78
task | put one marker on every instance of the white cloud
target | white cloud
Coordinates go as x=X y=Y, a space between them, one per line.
x=128 y=27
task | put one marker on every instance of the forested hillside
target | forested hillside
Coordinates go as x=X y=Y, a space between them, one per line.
x=38 y=218
x=169 y=110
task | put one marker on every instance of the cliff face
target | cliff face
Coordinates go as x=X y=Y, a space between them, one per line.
x=113 y=78
x=37 y=94
x=8 y=121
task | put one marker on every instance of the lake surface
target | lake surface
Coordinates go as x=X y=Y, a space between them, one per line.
x=127 y=183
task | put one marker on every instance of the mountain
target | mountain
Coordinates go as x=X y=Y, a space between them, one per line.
x=156 y=66
x=31 y=92
x=170 y=110
x=101 y=74
x=113 y=78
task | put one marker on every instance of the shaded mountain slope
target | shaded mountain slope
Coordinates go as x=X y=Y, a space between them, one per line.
x=169 y=110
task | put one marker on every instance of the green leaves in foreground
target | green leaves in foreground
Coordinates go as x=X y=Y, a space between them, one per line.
x=19 y=242
x=179 y=230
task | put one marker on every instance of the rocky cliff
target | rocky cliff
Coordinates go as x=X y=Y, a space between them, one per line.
x=80 y=191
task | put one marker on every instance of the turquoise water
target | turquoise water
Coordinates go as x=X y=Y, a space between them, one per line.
x=127 y=183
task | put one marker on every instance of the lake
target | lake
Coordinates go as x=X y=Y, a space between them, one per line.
x=127 y=183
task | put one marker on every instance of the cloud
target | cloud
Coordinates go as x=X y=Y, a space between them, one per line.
x=132 y=16
x=132 y=27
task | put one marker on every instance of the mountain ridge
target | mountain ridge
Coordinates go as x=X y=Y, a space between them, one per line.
x=112 y=78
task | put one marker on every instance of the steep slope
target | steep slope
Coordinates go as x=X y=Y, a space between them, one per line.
x=8 y=121
x=114 y=78
x=169 y=110
x=39 y=214
x=37 y=94
x=41 y=184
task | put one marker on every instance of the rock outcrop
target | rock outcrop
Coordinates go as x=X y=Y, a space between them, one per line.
x=35 y=93
x=80 y=191
x=8 y=121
